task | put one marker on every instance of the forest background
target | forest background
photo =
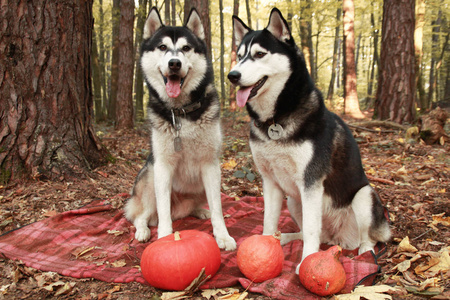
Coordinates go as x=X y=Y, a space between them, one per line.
x=317 y=27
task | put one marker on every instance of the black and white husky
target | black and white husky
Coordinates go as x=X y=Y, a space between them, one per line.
x=182 y=172
x=301 y=149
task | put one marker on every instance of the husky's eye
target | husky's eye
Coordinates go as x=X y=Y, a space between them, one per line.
x=163 y=47
x=239 y=57
x=260 y=54
x=186 y=48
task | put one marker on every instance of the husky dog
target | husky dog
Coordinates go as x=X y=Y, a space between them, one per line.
x=182 y=172
x=301 y=149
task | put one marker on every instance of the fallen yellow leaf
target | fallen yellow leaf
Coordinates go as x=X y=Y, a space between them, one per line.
x=405 y=246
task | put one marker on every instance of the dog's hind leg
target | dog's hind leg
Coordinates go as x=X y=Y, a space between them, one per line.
x=141 y=207
x=273 y=199
x=362 y=207
x=295 y=209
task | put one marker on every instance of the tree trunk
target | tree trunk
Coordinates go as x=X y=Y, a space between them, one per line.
x=396 y=76
x=102 y=61
x=418 y=50
x=202 y=7
x=167 y=12
x=174 y=11
x=139 y=78
x=96 y=80
x=335 y=58
x=249 y=15
x=124 y=106
x=45 y=90
x=222 y=52
x=375 y=59
x=114 y=60
x=233 y=60
x=306 y=38
x=436 y=25
x=351 y=103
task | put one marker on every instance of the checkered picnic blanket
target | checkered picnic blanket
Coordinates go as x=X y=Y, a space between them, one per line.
x=96 y=241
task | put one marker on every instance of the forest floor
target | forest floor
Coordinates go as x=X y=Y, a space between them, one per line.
x=412 y=179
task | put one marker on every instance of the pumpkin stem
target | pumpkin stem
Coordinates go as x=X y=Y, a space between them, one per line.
x=177 y=236
x=277 y=235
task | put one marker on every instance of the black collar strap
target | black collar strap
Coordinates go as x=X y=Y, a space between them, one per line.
x=259 y=124
x=186 y=109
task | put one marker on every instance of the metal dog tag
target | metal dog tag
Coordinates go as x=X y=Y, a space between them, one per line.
x=275 y=131
x=177 y=144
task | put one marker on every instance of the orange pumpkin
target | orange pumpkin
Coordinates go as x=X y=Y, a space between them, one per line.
x=260 y=257
x=322 y=273
x=174 y=261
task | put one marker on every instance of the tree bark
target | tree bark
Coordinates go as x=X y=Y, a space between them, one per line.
x=45 y=90
x=396 y=76
x=351 y=103
x=124 y=106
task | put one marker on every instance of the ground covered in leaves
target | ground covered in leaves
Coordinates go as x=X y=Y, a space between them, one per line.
x=412 y=178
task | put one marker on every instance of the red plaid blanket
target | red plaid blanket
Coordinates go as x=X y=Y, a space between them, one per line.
x=96 y=241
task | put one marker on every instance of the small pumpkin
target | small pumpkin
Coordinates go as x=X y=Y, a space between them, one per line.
x=174 y=261
x=322 y=273
x=260 y=257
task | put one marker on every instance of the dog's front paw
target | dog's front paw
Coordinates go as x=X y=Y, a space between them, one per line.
x=162 y=233
x=142 y=234
x=364 y=247
x=226 y=242
x=297 y=270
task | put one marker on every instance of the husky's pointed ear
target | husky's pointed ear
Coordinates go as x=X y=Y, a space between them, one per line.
x=278 y=26
x=239 y=30
x=153 y=23
x=194 y=23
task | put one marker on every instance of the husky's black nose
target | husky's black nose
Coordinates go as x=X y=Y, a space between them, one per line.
x=174 y=64
x=234 y=76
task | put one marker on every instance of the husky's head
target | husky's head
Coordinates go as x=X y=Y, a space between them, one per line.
x=265 y=63
x=173 y=59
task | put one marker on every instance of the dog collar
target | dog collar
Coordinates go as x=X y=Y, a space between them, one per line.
x=183 y=111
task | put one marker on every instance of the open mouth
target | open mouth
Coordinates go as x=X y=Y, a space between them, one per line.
x=247 y=92
x=173 y=85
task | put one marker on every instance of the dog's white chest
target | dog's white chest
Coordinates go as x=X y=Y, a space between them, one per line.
x=283 y=164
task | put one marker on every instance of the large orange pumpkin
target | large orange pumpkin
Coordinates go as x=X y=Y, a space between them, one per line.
x=174 y=261
x=260 y=257
x=322 y=273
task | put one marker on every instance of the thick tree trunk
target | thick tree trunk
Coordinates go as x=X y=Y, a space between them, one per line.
x=396 y=76
x=351 y=103
x=124 y=106
x=45 y=90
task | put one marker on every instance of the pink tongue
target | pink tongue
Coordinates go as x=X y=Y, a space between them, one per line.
x=242 y=96
x=173 y=88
